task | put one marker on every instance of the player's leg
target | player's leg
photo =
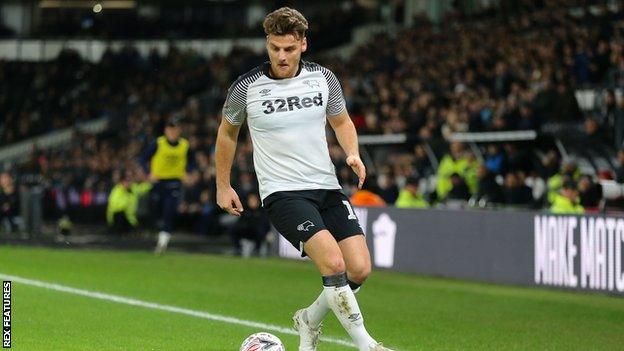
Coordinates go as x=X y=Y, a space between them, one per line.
x=295 y=216
x=357 y=260
x=358 y=266
x=341 y=221
x=325 y=252
x=343 y=224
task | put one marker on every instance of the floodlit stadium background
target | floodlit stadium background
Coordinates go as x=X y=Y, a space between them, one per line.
x=492 y=131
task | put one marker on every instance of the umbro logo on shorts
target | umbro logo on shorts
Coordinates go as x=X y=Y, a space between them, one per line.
x=303 y=227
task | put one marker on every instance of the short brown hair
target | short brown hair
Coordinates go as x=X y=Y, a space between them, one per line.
x=285 y=21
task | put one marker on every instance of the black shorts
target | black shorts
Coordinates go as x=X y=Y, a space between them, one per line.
x=298 y=215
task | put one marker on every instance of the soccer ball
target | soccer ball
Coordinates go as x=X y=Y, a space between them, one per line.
x=262 y=342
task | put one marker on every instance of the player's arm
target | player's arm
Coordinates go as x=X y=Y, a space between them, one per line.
x=234 y=113
x=227 y=137
x=347 y=138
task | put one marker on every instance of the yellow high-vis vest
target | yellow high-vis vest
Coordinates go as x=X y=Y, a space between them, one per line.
x=169 y=162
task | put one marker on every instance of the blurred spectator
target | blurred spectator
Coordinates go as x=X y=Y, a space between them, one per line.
x=121 y=213
x=569 y=171
x=567 y=201
x=388 y=189
x=592 y=130
x=459 y=188
x=9 y=203
x=518 y=158
x=209 y=214
x=538 y=188
x=64 y=227
x=458 y=162
x=410 y=197
x=516 y=193
x=550 y=164
x=495 y=159
x=609 y=114
x=527 y=119
x=190 y=207
x=253 y=224
x=590 y=192
x=488 y=190
x=170 y=163
x=566 y=108
x=422 y=163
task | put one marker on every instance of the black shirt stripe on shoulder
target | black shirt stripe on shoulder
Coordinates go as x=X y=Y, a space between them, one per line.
x=336 y=101
x=235 y=107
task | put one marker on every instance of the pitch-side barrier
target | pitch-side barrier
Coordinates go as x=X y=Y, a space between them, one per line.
x=582 y=253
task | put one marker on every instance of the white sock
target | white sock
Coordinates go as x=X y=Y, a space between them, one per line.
x=319 y=308
x=342 y=302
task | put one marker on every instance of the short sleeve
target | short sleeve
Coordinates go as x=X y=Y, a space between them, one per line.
x=235 y=106
x=335 y=102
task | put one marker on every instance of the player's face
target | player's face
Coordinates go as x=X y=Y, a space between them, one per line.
x=285 y=53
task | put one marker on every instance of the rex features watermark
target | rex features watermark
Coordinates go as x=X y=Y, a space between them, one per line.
x=6 y=314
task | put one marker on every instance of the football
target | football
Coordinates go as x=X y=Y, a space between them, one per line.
x=262 y=342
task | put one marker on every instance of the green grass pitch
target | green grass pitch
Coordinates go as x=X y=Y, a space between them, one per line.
x=404 y=311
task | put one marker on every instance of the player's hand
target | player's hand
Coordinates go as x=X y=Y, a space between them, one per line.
x=228 y=200
x=357 y=166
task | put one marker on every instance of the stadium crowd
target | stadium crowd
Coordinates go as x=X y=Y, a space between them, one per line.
x=485 y=75
x=472 y=75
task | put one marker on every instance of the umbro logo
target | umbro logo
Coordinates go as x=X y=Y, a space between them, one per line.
x=312 y=83
x=354 y=317
x=265 y=92
x=303 y=227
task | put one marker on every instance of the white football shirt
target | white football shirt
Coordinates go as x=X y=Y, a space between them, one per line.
x=286 y=119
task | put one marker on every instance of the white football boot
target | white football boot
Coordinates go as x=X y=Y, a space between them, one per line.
x=308 y=336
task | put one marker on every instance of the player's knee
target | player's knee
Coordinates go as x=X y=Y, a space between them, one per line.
x=358 y=273
x=335 y=265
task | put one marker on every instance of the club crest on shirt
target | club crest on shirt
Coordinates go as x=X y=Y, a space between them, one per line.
x=312 y=83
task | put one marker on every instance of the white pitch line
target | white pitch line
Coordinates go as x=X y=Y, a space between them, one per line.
x=168 y=308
